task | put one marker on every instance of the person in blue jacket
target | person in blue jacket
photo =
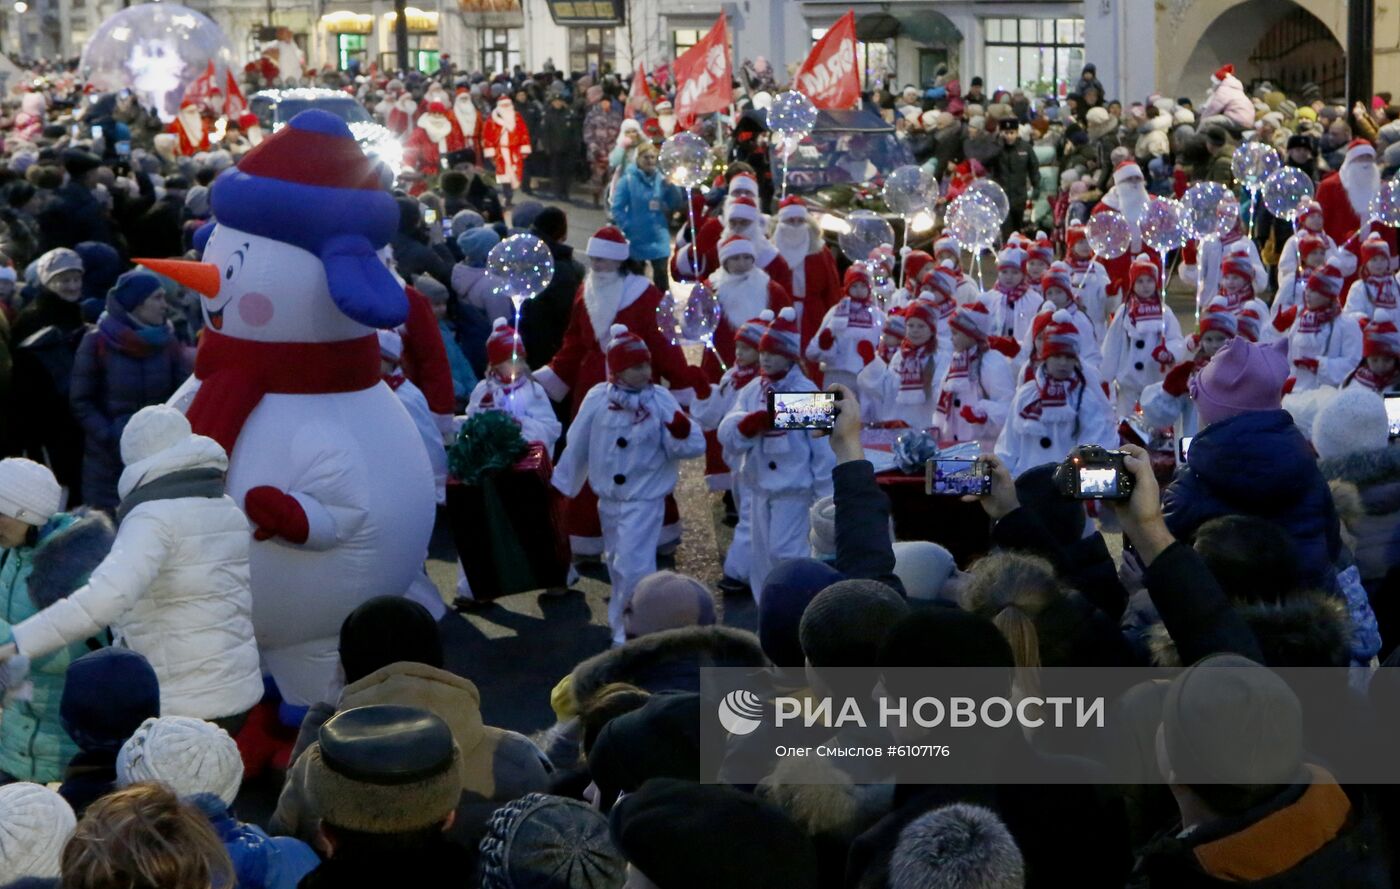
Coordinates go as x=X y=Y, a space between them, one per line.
x=641 y=205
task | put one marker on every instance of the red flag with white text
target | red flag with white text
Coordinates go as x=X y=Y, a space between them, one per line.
x=235 y=103
x=704 y=76
x=198 y=91
x=829 y=76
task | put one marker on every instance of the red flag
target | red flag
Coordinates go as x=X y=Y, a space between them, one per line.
x=199 y=90
x=829 y=76
x=640 y=90
x=704 y=76
x=661 y=73
x=235 y=103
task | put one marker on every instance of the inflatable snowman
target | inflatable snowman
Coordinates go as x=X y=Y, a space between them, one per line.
x=323 y=457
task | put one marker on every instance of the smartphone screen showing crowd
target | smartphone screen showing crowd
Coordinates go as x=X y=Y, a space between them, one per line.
x=802 y=410
x=953 y=476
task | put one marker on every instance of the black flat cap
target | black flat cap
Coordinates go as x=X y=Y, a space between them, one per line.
x=386 y=745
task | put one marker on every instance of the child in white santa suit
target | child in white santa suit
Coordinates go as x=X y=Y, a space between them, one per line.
x=1377 y=287
x=1062 y=408
x=743 y=290
x=977 y=386
x=1168 y=403
x=1012 y=301
x=946 y=250
x=508 y=387
x=1090 y=279
x=1040 y=253
x=1309 y=222
x=846 y=338
x=1211 y=254
x=1379 y=370
x=1312 y=253
x=627 y=441
x=413 y=400
x=780 y=473
x=1236 y=287
x=1057 y=284
x=908 y=384
x=891 y=335
x=1144 y=341
x=1324 y=344
x=937 y=284
x=709 y=413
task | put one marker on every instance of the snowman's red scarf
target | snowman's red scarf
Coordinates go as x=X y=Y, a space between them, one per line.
x=234 y=374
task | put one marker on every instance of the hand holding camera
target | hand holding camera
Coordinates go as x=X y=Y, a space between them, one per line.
x=1141 y=513
x=1093 y=473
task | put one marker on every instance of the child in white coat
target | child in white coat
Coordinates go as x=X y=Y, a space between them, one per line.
x=1379 y=370
x=977 y=386
x=948 y=253
x=909 y=383
x=1144 y=341
x=1211 y=253
x=1090 y=279
x=780 y=473
x=1324 y=345
x=938 y=286
x=509 y=387
x=1169 y=403
x=1312 y=254
x=1237 y=286
x=1057 y=284
x=709 y=413
x=416 y=403
x=1377 y=287
x=891 y=335
x=1309 y=222
x=1062 y=408
x=845 y=343
x=1012 y=301
x=627 y=441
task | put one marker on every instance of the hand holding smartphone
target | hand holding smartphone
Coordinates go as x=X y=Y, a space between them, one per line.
x=958 y=477
x=802 y=410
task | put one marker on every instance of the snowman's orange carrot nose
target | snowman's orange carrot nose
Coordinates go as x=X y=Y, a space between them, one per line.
x=202 y=277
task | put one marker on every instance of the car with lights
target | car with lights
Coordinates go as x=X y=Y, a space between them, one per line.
x=274 y=108
x=840 y=167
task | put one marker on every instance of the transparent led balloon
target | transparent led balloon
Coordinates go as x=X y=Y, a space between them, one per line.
x=700 y=315
x=1385 y=206
x=156 y=50
x=992 y=193
x=865 y=230
x=1163 y=225
x=910 y=190
x=1211 y=210
x=523 y=265
x=792 y=114
x=667 y=320
x=974 y=223
x=1285 y=191
x=1252 y=163
x=1109 y=234
x=684 y=160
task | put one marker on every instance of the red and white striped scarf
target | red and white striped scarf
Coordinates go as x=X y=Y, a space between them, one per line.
x=1052 y=393
x=1366 y=377
x=1234 y=299
x=915 y=371
x=1014 y=295
x=857 y=312
x=1382 y=290
x=1313 y=320
x=1140 y=310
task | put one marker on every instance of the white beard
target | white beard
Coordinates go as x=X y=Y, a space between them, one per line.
x=437 y=127
x=505 y=118
x=1132 y=202
x=668 y=123
x=192 y=124
x=602 y=296
x=407 y=106
x=1362 y=181
x=741 y=298
x=465 y=113
x=792 y=243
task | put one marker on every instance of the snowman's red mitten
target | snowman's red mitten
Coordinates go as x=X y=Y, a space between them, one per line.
x=276 y=514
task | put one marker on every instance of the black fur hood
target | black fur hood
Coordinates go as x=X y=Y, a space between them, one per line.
x=669 y=660
x=64 y=559
x=1305 y=630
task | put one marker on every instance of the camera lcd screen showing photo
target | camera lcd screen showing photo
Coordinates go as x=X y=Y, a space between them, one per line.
x=1392 y=414
x=1099 y=482
x=802 y=410
x=957 y=477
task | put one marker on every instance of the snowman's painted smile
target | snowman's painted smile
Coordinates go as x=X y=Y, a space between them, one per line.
x=216 y=316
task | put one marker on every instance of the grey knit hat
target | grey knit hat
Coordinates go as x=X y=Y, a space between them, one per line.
x=549 y=842
x=957 y=847
x=846 y=622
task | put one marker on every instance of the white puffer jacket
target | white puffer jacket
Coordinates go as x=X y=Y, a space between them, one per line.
x=174 y=588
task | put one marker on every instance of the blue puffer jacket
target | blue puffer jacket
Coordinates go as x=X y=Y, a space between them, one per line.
x=1259 y=464
x=639 y=207
x=259 y=861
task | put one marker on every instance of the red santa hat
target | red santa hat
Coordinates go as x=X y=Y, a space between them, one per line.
x=743 y=181
x=894 y=324
x=463 y=91
x=858 y=272
x=1326 y=281
x=1074 y=234
x=939 y=280
x=915 y=261
x=247 y=120
x=1249 y=323
x=1142 y=266
x=1310 y=243
x=663 y=107
x=1359 y=148
x=1125 y=170
x=1018 y=239
x=1041 y=249
x=750 y=333
x=781 y=337
x=924 y=310
x=1061 y=336
x=390 y=346
x=503 y=344
x=741 y=208
x=1219 y=318
x=1012 y=258
x=1382 y=336
x=973 y=320
x=792 y=207
x=1237 y=264
x=1310 y=208
x=504 y=102
x=1058 y=275
x=946 y=244
x=625 y=349
x=437 y=108
x=1374 y=246
x=734 y=245
x=608 y=243
x=1221 y=73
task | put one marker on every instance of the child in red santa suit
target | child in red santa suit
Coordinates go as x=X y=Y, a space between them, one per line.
x=506 y=143
x=1379 y=370
x=1062 y=408
x=1311 y=249
x=743 y=291
x=1057 y=285
x=1012 y=301
x=1090 y=278
x=508 y=387
x=977 y=386
x=1169 y=403
x=431 y=140
x=627 y=441
x=1144 y=341
x=908 y=384
x=1324 y=344
x=1309 y=222
x=946 y=251
x=847 y=336
x=781 y=473
x=1377 y=287
x=816 y=285
x=709 y=413
x=466 y=120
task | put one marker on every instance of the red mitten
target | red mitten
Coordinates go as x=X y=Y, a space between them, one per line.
x=866 y=350
x=972 y=416
x=276 y=514
x=826 y=339
x=755 y=423
x=894 y=424
x=700 y=384
x=679 y=427
x=1178 y=380
x=1288 y=384
x=1284 y=320
x=1306 y=363
x=1163 y=356
x=1005 y=345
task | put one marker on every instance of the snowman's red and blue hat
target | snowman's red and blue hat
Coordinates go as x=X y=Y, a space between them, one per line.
x=310 y=185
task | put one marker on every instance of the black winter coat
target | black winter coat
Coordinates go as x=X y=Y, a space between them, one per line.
x=1016 y=171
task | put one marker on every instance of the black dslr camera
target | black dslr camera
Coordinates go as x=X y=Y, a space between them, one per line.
x=1092 y=473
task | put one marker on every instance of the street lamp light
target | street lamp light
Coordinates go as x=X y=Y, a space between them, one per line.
x=21 y=7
